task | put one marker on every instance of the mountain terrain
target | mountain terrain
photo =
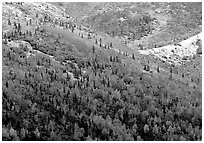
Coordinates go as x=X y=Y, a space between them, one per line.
x=149 y=24
x=101 y=71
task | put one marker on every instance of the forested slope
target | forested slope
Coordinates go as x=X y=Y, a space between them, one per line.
x=59 y=86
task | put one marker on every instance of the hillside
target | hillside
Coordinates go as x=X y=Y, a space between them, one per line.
x=150 y=24
x=66 y=77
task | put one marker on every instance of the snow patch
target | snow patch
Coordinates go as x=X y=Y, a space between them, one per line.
x=175 y=53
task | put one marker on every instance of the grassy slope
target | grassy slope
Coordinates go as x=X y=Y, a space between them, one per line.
x=82 y=46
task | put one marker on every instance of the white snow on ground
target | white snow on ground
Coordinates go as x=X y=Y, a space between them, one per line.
x=32 y=8
x=48 y=8
x=175 y=53
x=10 y=10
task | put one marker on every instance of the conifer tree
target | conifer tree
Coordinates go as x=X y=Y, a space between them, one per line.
x=9 y=22
x=133 y=56
x=93 y=49
x=158 y=69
